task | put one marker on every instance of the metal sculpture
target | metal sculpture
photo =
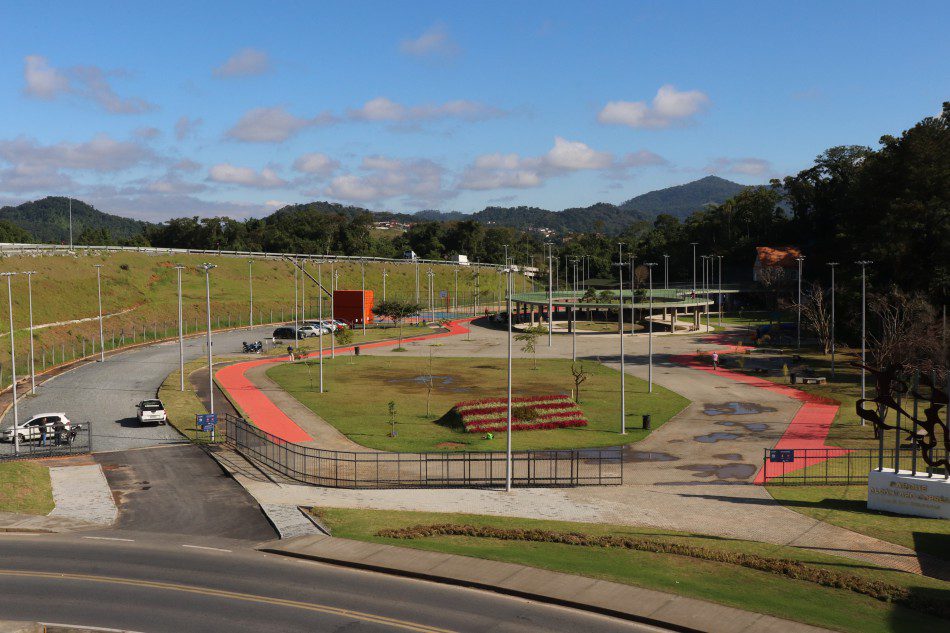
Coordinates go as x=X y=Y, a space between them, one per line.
x=928 y=433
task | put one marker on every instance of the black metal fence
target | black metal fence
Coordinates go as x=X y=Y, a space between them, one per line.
x=344 y=469
x=836 y=466
x=77 y=444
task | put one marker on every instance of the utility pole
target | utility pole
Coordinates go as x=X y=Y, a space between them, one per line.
x=864 y=263
x=207 y=269
x=720 y=289
x=16 y=413
x=455 y=297
x=70 y=224
x=181 y=334
x=250 y=288
x=623 y=391
x=508 y=434
x=296 y=308
x=320 y=317
x=363 y=294
x=550 y=295
x=832 y=265
x=102 y=337
x=666 y=272
x=798 y=344
x=650 y=266
x=29 y=284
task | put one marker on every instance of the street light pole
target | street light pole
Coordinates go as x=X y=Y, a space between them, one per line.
x=508 y=434
x=207 y=269
x=102 y=336
x=363 y=295
x=70 y=224
x=250 y=288
x=832 y=265
x=16 y=412
x=385 y=274
x=296 y=308
x=455 y=297
x=623 y=390
x=320 y=316
x=29 y=284
x=181 y=333
x=650 y=266
x=720 y=289
x=666 y=272
x=550 y=295
x=798 y=344
x=864 y=263
x=694 y=268
x=334 y=275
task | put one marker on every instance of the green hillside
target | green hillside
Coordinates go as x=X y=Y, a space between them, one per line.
x=682 y=200
x=47 y=221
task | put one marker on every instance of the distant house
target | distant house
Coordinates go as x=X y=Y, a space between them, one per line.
x=462 y=260
x=409 y=255
x=772 y=261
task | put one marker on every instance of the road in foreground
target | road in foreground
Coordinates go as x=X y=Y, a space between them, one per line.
x=146 y=585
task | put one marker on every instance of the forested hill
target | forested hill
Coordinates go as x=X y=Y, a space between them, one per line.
x=601 y=217
x=47 y=221
x=683 y=200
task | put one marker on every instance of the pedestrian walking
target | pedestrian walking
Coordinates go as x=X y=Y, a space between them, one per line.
x=715 y=358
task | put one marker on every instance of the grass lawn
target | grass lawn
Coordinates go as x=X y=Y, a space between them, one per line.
x=375 y=333
x=359 y=390
x=25 y=487
x=182 y=406
x=846 y=506
x=724 y=583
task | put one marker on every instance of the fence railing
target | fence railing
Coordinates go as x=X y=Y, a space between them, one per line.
x=78 y=444
x=834 y=466
x=346 y=469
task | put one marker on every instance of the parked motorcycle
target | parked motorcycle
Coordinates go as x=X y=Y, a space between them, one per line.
x=252 y=347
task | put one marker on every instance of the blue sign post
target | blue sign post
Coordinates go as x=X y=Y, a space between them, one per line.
x=206 y=421
x=781 y=456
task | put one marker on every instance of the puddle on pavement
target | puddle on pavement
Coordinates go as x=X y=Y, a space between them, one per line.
x=721 y=471
x=444 y=383
x=729 y=457
x=712 y=438
x=736 y=408
x=648 y=456
x=754 y=427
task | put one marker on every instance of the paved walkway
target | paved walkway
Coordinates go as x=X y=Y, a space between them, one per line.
x=625 y=601
x=693 y=474
x=82 y=493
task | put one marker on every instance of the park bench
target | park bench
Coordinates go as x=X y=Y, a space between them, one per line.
x=812 y=380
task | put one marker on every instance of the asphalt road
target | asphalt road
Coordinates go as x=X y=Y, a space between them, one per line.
x=104 y=395
x=180 y=490
x=178 y=586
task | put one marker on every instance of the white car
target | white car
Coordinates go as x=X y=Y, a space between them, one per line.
x=311 y=330
x=152 y=412
x=30 y=430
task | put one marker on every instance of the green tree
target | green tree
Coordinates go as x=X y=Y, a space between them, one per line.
x=397 y=311
x=528 y=337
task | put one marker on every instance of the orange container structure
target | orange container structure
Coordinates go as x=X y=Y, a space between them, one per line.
x=353 y=306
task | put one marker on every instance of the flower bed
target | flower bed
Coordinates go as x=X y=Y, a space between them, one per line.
x=528 y=413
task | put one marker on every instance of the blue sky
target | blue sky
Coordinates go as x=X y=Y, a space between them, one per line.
x=234 y=108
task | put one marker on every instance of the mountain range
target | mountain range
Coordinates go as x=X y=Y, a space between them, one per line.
x=47 y=220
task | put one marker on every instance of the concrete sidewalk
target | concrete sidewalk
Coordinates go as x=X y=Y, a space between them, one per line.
x=609 y=598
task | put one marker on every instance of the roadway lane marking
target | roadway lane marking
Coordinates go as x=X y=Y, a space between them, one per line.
x=109 y=538
x=213 y=549
x=232 y=595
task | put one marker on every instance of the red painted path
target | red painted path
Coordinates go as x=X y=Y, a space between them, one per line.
x=266 y=415
x=808 y=429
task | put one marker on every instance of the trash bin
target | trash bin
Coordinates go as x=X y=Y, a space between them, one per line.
x=792 y=378
x=646 y=420
x=356 y=350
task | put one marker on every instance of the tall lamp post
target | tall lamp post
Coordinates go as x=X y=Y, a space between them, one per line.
x=16 y=413
x=719 y=257
x=296 y=307
x=623 y=391
x=70 y=224
x=250 y=290
x=385 y=274
x=798 y=343
x=864 y=263
x=320 y=316
x=207 y=268
x=666 y=271
x=181 y=333
x=650 y=266
x=550 y=295
x=363 y=295
x=694 y=268
x=102 y=336
x=29 y=284
x=702 y=282
x=832 y=265
x=508 y=427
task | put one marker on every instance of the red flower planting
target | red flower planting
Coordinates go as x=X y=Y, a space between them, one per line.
x=528 y=413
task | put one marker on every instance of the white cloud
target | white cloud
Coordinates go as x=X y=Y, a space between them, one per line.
x=758 y=167
x=669 y=107
x=244 y=63
x=383 y=109
x=272 y=125
x=416 y=181
x=186 y=127
x=42 y=80
x=500 y=171
x=316 y=164
x=226 y=173
x=89 y=82
x=434 y=42
x=101 y=153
